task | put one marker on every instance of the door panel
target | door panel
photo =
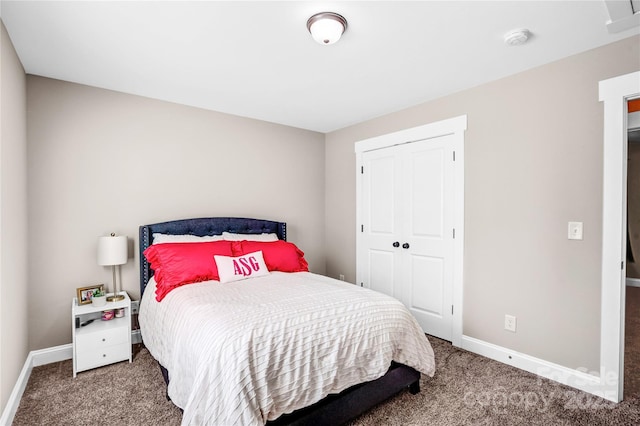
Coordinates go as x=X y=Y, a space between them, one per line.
x=381 y=173
x=426 y=179
x=381 y=271
x=426 y=286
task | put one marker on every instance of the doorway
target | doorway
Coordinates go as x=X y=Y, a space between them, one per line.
x=451 y=130
x=406 y=228
x=614 y=93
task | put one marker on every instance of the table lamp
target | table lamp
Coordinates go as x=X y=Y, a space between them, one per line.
x=112 y=251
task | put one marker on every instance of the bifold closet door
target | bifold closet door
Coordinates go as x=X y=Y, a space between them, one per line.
x=381 y=225
x=408 y=228
x=427 y=227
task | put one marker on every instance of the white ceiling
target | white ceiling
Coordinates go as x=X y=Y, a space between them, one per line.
x=256 y=59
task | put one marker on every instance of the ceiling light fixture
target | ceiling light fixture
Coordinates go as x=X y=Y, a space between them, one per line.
x=326 y=27
x=517 y=37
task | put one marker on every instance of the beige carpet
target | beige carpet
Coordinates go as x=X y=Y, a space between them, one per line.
x=467 y=390
x=632 y=342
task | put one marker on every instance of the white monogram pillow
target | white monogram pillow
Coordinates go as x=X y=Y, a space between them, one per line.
x=239 y=268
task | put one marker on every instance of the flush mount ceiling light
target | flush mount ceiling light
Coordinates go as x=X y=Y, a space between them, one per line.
x=517 y=37
x=326 y=27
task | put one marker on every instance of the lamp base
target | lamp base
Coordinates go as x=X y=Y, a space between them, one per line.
x=115 y=298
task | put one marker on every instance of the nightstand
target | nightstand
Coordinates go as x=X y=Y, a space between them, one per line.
x=100 y=342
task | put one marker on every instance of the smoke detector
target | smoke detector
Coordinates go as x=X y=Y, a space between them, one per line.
x=517 y=37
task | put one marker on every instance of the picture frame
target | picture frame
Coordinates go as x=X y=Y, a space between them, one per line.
x=84 y=294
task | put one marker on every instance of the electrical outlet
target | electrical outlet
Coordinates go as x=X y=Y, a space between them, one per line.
x=510 y=323
x=341 y=277
x=575 y=230
x=135 y=307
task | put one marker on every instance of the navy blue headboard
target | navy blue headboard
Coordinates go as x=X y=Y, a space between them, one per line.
x=202 y=227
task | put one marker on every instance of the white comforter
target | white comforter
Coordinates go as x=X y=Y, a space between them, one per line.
x=246 y=352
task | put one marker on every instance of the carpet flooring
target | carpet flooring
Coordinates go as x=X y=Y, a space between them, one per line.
x=632 y=341
x=467 y=389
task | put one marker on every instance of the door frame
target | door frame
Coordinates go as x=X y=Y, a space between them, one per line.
x=454 y=126
x=614 y=93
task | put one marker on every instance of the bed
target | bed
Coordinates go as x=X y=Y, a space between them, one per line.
x=199 y=392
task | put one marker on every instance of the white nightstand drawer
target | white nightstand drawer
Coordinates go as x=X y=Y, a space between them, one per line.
x=102 y=338
x=102 y=356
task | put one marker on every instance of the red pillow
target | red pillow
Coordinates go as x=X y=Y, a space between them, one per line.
x=176 y=264
x=278 y=255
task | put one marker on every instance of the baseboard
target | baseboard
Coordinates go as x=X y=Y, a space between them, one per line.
x=34 y=359
x=13 y=402
x=51 y=355
x=633 y=282
x=575 y=378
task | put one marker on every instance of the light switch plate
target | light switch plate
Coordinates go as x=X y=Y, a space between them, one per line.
x=575 y=230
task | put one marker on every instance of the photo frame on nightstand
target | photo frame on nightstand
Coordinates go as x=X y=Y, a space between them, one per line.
x=85 y=294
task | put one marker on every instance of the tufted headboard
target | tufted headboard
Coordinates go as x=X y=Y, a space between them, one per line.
x=202 y=227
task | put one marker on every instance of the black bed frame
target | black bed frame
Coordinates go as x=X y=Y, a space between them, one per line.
x=334 y=409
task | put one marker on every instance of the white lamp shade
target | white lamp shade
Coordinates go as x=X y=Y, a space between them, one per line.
x=326 y=27
x=112 y=250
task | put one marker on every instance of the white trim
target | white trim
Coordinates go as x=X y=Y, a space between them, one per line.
x=432 y=130
x=51 y=355
x=578 y=379
x=454 y=126
x=34 y=359
x=614 y=92
x=633 y=282
x=16 y=394
x=458 y=224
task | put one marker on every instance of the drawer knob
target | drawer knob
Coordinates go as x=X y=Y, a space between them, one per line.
x=104 y=355
x=103 y=339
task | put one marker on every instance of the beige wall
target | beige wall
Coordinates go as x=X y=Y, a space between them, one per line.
x=102 y=161
x=13 y=217
x=533 y=153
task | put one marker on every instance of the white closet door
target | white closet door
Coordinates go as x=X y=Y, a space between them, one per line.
x=407 y=241
x=427 y=218
x=382 y=223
